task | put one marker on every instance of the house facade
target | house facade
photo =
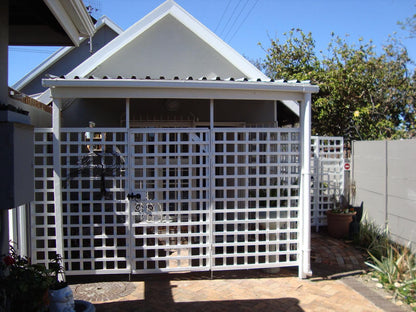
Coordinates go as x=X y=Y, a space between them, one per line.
x=166 y=154
x=61 y=23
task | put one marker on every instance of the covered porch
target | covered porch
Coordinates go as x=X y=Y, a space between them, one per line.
x=159 y=194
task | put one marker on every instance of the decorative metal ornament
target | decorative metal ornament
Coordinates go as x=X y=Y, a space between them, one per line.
x=98 y=163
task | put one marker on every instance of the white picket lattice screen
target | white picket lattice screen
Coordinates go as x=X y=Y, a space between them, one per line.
x=327 y=176
x=160 y=200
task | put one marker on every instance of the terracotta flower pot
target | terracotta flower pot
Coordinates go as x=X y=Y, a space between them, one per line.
x=339 y=223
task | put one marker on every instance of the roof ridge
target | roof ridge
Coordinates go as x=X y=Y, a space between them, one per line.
x=186 y=19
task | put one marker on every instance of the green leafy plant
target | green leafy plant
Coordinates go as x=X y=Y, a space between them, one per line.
x=373 y=238
x=23 y=285
x=396 y=271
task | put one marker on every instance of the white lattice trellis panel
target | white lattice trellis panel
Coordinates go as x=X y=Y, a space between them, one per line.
x=170 y=219
x=256 y=182
x=327 y=175
x=43 y=227
x=95 y=214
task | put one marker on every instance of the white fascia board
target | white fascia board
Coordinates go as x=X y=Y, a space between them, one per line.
x=83 y=22
x=130 y=88
x=77 y=26
x=57 y=55
x=45 y=97
x=104 y=20
x=217 y=43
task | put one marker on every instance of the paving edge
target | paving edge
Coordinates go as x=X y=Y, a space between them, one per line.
x=371 y=295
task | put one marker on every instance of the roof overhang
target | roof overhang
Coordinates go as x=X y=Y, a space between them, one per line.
x=57 y=55
x=48 y=22
x=186 y=89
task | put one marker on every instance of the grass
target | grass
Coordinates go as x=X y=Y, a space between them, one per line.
x=393 y=265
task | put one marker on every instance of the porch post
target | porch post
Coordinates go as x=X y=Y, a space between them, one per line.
x=211 y=182
x=305 y=123
x=57 y=190
x=127 y=113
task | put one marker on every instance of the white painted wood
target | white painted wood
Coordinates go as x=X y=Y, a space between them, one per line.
x=305 y=120
x=57 y=190
x=225 y=198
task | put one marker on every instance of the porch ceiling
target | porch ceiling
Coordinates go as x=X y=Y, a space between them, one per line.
x=175 y=88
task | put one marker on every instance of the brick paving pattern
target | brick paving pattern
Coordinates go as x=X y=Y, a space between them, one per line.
x=248 y=290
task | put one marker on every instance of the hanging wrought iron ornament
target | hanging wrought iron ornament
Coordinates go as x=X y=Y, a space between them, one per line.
x=99 y=164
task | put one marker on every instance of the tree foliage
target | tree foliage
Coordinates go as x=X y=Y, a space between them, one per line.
x=363 y=94
x=410 y=25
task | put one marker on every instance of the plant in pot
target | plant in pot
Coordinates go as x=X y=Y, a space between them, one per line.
x=60 y=294
x=340 y=217
x=23 y=285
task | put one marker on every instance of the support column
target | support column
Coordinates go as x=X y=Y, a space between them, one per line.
x=305 y=198
x=57 y=181
x=211 y=182
x=127 y=113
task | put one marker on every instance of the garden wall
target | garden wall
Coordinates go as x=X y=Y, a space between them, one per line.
x=384 y=178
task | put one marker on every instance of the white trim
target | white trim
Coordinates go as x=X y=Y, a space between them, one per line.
x=305 y=193
x=131 y=88
x=293 y=106
x=64 y=20
x=60 y=53
x=104 y=20
x=57 y=191
x=172 y=8
x=207 y=84
x=45 y=97
x=76 y=22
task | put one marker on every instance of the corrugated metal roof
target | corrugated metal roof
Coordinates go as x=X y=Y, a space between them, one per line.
x=189 y=78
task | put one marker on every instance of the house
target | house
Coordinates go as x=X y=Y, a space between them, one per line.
x=67 y=58
x=28 y=23
x=165 y=155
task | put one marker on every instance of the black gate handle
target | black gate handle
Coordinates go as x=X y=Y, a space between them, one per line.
x=133 y=196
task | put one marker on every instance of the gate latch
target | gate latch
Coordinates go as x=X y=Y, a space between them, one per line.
x=133 y=196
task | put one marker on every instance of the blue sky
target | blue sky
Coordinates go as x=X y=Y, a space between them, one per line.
x=245 y=23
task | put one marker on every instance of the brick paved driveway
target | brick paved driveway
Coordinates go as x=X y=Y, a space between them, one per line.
x=249 y=290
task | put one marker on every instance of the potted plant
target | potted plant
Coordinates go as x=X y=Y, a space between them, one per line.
x=23 y=285
x=340 y=217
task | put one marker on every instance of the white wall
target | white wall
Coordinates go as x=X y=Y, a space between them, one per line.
x=384 y=174
x=168 y=49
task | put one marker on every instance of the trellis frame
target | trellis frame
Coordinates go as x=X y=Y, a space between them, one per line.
x=212 y=90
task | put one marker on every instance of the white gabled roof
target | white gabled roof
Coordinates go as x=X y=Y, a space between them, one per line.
x=169 y=7
x=57 y=55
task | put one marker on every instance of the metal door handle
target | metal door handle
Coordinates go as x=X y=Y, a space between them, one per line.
x=133 y=196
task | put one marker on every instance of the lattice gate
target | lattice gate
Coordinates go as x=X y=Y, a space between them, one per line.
x=160 y=200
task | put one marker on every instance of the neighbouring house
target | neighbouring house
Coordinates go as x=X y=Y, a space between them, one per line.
x=28 y=22
x=67 y=58
x=170 y=152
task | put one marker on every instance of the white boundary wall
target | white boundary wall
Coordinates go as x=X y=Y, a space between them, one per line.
x=384 y=176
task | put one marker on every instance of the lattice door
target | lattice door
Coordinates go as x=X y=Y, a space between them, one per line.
x=169 y=200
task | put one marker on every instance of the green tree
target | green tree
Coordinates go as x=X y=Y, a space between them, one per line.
x=363 y=95
x=293 y=59
x=410 y=25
